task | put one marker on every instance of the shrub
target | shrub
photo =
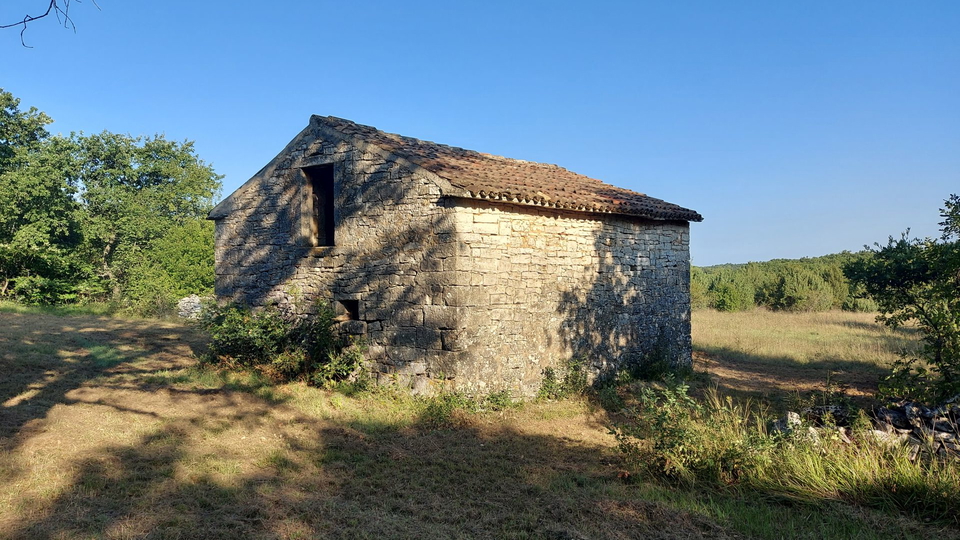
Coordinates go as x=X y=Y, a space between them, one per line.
x=440 y=411
x=722 y=443
x=282 y=347
x=732 y=292
x=688 y=441
x=860 y=305
x=571 y=381
x=802 y=291
x=916 y=282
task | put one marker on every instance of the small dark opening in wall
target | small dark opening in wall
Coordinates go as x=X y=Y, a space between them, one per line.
x=350 y=310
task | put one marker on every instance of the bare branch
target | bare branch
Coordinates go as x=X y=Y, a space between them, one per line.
x=57 y=7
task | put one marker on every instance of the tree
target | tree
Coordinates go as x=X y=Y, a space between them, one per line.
x=135 y=191
x=105 y=216
x=918 y=281
x=39 y=223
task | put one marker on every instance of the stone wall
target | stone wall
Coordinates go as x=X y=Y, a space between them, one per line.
x=542 y=286
x=455 y=293
x=394 y=253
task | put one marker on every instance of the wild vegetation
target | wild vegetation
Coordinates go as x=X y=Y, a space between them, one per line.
x=165 y=447
x=283 y=347
x=101 y=218
x=918 y=282
x=274 y=432
x=807 y=284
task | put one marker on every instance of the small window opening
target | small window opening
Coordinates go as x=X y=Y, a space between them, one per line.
x=320 y=204
x=349 y=310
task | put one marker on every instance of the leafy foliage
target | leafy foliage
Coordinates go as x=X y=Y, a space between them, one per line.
x=717 y=442
x=572 y=380
x=689 y=440
x=282 y=347
x=808 y=284
x=917 y=281
x=101 y=217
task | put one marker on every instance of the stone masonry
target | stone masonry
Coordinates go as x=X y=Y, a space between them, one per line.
x=455 y=287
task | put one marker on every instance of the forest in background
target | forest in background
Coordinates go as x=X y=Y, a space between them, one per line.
x=116 y=219
x=807 y=284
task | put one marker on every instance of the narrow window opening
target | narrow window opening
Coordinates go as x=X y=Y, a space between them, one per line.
x=349 y=310
x=320 y=204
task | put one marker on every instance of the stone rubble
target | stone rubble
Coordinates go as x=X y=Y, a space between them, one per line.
x=927 y=431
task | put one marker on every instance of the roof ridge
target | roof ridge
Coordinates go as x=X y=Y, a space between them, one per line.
x=489 y=176
x=450 y=146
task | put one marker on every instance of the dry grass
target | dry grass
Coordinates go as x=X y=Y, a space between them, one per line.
x=777 y=354
x=107 y=431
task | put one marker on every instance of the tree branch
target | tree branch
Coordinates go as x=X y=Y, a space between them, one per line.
x=56 y=7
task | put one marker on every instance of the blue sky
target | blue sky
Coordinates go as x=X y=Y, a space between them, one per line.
x=796 y=128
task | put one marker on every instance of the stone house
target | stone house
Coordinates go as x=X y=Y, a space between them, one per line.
x=462 y=270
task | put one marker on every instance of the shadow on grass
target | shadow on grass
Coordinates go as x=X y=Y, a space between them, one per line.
x=877 y=329
x=779 y=378
x=44 y=357
x=369 y=480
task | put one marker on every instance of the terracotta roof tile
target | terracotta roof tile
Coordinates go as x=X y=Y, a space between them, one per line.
x=492 y=177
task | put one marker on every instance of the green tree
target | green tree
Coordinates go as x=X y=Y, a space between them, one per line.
x=135 y=191
x=732 y=291
x=175 y=265
x=918 y=281
x=102 y=216
x=798 y=289
x=39 y=222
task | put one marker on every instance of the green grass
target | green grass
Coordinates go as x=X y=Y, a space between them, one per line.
x=91 y=309
x=721 y=445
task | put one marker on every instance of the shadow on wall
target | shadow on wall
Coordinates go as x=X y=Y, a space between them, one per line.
x=635 y=314
x=396 y=256
x=393 y=267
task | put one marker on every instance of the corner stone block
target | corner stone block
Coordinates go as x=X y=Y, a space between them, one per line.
x=442 y=317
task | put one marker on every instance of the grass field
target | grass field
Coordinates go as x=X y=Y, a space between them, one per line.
x=780 y=355
x=107 y=430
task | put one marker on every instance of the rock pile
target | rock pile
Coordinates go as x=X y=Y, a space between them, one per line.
x=924 y=429
x=190 y=307
x=932 y=431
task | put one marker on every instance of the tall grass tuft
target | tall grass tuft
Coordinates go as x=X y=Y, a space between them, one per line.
x=723 y=443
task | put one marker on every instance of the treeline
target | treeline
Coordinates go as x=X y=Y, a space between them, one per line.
x=104 y=217
x=808 y=284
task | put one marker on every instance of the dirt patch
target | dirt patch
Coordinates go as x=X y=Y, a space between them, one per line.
x=749 y=379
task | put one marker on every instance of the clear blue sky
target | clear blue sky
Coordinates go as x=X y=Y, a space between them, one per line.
x=795 y=128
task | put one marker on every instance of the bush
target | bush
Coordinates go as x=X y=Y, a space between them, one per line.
x=732 y=296
x=802 y=291
x=37 y=291
x=282 y=347
x=572 y=380
x=690 y=441
x=724 y=444
x=860 y=305
x=916 y=282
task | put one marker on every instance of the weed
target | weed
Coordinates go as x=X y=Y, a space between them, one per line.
x=721 y=443
x=498 y=401
x=572 y=381
x=440 y=411
x=609 y=398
